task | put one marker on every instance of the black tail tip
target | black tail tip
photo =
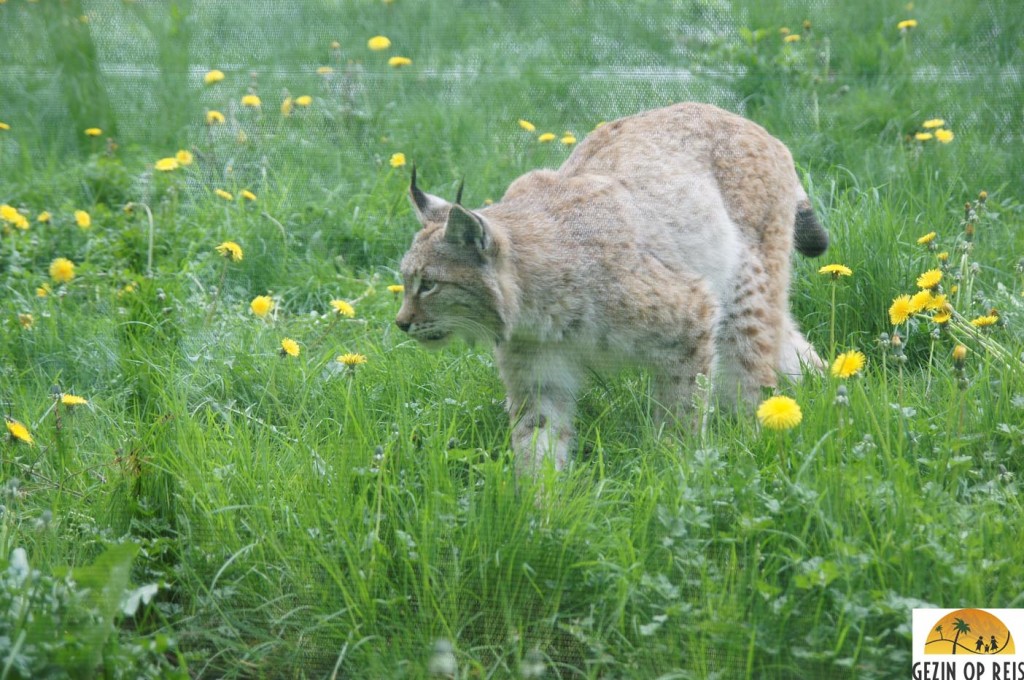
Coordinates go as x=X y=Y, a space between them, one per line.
x=810 y=238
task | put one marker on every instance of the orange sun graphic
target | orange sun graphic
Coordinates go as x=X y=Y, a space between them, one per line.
x=969 y=631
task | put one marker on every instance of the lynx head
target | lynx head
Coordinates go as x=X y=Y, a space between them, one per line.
x=451 y=274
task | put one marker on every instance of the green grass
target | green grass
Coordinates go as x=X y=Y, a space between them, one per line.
x=308 y=521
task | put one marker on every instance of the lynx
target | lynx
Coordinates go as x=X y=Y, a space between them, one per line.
x=663 y=241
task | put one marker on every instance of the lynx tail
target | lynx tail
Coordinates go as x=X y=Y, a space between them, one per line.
x=810 y=238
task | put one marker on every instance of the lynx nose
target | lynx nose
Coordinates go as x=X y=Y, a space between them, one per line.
x=403 y=325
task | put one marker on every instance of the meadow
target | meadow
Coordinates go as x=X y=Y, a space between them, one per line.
x=223 y=460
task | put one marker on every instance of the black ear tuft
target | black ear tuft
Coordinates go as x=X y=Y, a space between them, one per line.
x=419 y=198
x=458 y=193
x=465 y=228
x=428 y=208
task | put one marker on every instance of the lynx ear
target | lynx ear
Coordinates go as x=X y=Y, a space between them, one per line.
x=465 y=228
x=429 y=208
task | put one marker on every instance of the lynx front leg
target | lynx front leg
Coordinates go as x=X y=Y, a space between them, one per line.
x=542 y=388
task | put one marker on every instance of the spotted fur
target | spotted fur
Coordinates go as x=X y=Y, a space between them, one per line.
x=663 y=241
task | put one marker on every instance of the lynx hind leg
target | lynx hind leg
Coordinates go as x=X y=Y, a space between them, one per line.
x=541 y=402
x=749 y=339
x=680 y=357
x=797 y=353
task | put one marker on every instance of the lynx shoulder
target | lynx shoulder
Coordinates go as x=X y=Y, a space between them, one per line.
x=664 y=241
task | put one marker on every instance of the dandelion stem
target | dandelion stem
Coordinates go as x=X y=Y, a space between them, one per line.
x=152 y=232
x=220 y=291
x=832 y=325
x=327 y=331
x=284 y=234
x=899 y=386
x=961 y=328
x=928 y=380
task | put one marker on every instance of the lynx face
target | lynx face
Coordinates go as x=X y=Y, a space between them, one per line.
x=447 y=291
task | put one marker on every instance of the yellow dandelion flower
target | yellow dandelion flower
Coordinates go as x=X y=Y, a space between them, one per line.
x=26 y=321
x=929 y=279
x=73 y=400
x=261 y=305
x=43 y=217
x=396 y=288
x=43 y=290
x=923 y=136
x=184 y=157
x=8 y=213
x=836 y=270
x=335 y=45
x=933 y=123
x=792 y=38
x=324 y=70
x=959 y=354
x=944 y=136
x=943 y=256
x=230 y=251
x=546 y=137
x=921 y=300
x=938 y=302
x=983 y=321
x=399 y=62
x=568 y=139
x=247 y=195
x=397 y=160
x=926 y=239
x=12 y=216
x=214 y=76
x=252 y=101
x=779 y=413
x=303 y=100
x=289 y=348
x=214 y=118
x=901 y=310
x=942 y=316
x=4 y=126
x=351 y=360
x=378 y=43
x=343 y=308
x=18 y=431
x=527 y=125
x=62 y=270
x=226 y=195
x=286 y=106
x=848 y=364
x=784 y=30
x=93 y=132
x=166 y=164
x=907 y=24
x=82 y=219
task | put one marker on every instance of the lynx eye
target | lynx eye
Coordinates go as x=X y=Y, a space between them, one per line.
x=426 y=287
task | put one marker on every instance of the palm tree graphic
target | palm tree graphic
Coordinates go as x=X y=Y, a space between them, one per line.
x=938 y=629
x=960 y=626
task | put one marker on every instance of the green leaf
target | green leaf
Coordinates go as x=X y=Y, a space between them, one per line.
x=103 y=583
